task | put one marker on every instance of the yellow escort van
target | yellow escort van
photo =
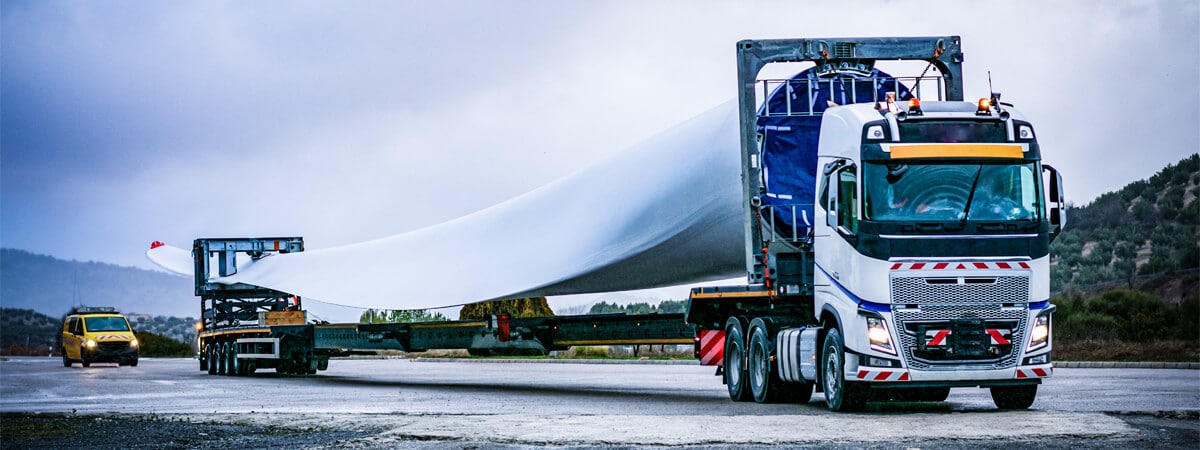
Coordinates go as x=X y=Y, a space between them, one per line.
x=98 y=334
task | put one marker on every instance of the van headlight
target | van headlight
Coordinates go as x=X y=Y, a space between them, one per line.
x=90 y=343
x=133 y=343
x=1039 y=335
x=877 y=333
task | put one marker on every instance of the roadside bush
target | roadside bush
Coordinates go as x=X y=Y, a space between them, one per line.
x=155 y=345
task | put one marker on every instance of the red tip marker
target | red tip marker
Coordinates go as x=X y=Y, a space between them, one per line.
x=156 y=244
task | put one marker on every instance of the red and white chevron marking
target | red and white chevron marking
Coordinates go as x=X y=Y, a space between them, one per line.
x=712 y=347
x=112 y=336
x=881 y=375
x=937 y=338
x=1020 y=265
x=1035 y=372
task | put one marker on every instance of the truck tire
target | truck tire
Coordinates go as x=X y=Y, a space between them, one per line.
x=1014 y=397
x=222 y=367
x=235 y=366
x=765 y=384
x=735 y=361
x=210 y=352
x=840 y=395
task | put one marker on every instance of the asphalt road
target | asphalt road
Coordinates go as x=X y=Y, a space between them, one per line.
x=400 y=402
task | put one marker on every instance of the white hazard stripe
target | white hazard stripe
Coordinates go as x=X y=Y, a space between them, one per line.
x=881 y=375
x=1035 y=372
x=712 y=347
x=989 y=265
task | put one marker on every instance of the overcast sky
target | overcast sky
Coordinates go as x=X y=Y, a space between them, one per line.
x=129 y=122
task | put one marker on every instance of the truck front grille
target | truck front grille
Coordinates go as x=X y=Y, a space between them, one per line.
x=908 y=321
x=954 y=290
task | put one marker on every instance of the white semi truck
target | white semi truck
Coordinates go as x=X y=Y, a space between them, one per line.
x=897 y=237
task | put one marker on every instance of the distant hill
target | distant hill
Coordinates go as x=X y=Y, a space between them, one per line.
x=1147 y=228
x=51 y=286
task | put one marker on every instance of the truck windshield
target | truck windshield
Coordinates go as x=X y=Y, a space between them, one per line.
x=939 y=192
x=106 y=324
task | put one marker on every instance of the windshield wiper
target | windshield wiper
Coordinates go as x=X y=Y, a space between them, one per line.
x=971 y=195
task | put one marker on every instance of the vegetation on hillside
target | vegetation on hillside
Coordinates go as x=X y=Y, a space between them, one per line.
x=156 y=345
x=1148 y=227
x=665 y=307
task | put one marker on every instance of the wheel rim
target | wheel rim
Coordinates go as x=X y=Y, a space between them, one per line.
x=757 y=364
x=832 y=368
x=735 y=364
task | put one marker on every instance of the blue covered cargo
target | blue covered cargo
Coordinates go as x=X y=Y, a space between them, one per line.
x=790 y=125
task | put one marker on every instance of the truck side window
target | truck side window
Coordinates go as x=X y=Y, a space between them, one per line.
x=848 y=200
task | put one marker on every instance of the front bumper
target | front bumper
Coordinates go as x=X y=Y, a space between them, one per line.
x=111 y=352
x=953 y=378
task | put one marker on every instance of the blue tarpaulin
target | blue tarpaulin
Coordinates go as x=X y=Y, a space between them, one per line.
x=790 y=134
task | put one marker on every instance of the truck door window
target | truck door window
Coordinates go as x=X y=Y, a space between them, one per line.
x=848 y=200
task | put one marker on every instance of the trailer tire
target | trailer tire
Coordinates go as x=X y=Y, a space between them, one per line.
x=222 y=367
x=210 y=352
x=840 y=395
x=1014 y=397
x=235 y=366
x=735 y=370
x=765 y=384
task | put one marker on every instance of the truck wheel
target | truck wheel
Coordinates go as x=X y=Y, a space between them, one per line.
x=1014 y=397
x=222 y=367
x=210 y=352
x=765 y=384
x=235 y=366
x=840 y=395
x=735 y=361
x=66 y=360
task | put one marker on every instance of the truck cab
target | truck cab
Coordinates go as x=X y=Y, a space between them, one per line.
x=97 y=334
x=931 y=242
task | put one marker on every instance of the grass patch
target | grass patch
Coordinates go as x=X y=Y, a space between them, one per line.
x=1121 y=350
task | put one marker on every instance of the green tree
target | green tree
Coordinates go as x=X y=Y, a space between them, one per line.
x=400 y=316
x=521 y=307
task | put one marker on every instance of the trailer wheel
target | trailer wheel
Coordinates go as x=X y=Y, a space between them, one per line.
x=222 y=366
x=210 y=352
x=235 y=366
x=735 y=361
x=840 y=395
x=1014 y=397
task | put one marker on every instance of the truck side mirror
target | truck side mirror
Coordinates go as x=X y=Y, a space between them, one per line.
x=1056 y=201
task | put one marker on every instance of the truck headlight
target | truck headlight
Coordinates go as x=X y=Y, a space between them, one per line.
x=90 y=343
x=1039 y=335
x=877 y=333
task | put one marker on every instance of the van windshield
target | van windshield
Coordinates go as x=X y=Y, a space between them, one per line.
x=106 y=324
x=939 y=192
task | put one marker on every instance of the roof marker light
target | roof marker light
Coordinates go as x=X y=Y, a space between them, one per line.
x=985 y=107
x=914 y=106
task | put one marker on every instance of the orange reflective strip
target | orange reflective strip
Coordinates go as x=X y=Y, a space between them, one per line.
x=902 y=151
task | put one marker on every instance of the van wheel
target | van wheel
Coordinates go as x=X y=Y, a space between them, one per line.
x=133 y=363
x=83 y=360
x=66 y=360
